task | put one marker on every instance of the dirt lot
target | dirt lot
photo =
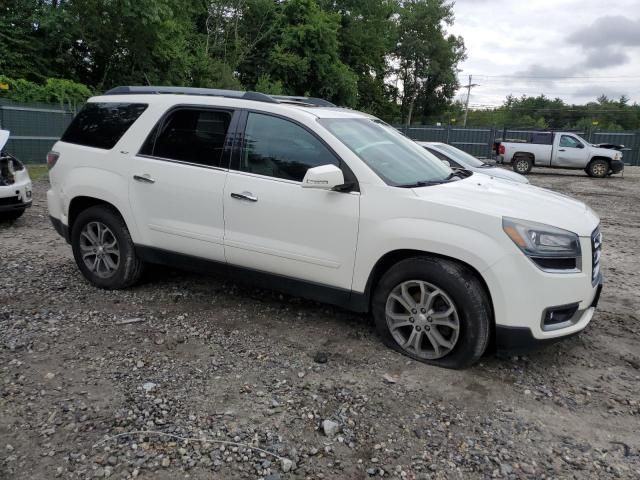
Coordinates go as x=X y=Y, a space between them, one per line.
x=205 y=359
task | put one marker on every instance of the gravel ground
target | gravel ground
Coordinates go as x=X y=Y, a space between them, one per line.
x=274 y=387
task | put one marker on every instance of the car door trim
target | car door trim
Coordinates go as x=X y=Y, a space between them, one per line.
x=185 y=233
x=282 y=254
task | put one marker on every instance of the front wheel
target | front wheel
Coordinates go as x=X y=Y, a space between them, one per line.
x=598 y=168
x=103 y=249
x=433 y=310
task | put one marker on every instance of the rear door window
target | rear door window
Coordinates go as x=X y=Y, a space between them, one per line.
x=101 y=125
x=190 y=135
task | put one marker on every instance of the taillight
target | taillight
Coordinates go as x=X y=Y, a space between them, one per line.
x=501 y=150
x=52 y=158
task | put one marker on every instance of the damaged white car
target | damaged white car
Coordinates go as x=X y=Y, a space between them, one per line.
x=15 y=184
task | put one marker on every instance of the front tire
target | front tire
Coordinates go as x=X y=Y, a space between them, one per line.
x=103 y=249
x=598 y=168
x=433 y=310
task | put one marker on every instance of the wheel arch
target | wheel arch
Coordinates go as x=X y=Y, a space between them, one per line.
x=82 y=202
x=600 y=157
x=523 y=154
x=389 y=259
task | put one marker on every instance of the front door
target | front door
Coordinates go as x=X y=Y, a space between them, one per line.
x=177 y=181
x=570 y=153
x=274 y=225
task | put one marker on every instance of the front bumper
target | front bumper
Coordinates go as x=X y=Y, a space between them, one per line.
x=616 y=166
x=520 y=339
x=523 y=295
x=15 y=197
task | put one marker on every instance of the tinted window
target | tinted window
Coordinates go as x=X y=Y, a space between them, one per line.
x=191 y=135
x=101 y=125
x=570 y=142
x=542 y=138
x=280 y=148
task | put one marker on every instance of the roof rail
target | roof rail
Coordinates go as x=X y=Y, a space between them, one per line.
x=212 y=92
x=318 y=102
x=215 y=92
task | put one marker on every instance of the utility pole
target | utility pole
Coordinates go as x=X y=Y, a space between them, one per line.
x=469 y=86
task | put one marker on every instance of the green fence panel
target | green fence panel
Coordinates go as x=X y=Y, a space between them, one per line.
x=34 y=128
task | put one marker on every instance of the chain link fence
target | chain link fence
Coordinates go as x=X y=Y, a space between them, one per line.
x=36 y=127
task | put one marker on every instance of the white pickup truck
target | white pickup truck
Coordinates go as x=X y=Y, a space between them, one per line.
x=560 y=150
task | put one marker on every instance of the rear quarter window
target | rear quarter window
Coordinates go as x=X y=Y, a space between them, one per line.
x=101 y=125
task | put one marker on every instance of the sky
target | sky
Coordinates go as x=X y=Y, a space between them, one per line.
x=532 y=47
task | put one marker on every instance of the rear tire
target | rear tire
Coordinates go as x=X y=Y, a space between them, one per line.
x=103 y=249
x=433 y=310
x=11 y=216
x=522 y=165
x=598 y=168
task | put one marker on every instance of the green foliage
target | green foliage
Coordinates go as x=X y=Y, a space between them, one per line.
x=543 y=112
x=347 y=51
x=66 y=93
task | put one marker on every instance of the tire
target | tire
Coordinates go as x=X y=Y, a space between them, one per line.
x=12 y=215
x=522 y=165
x=598 y=168
x=101 y=230
x=459 y=288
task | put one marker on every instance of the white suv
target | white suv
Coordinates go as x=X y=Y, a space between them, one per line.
x=325 y=203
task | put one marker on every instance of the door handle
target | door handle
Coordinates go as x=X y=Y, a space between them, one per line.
x=146 y=178
x=561 y=150
x=245 y=196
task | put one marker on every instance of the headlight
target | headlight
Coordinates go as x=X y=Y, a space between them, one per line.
x=552 y=249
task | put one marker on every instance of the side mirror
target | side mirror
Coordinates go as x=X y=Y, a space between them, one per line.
x=446 y=162
x=580 y=145
x=324 y=177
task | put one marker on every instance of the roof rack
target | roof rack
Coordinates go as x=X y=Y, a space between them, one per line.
x=317 y=102
x=215 y=92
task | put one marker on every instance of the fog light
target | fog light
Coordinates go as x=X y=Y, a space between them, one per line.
x=557 y=317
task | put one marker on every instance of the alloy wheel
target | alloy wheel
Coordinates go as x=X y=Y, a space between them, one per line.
x=99 y=249
x=422 y=319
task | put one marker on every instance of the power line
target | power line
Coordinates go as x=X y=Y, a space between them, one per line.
x=560 y=77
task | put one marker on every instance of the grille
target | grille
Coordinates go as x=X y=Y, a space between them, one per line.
x=8 y=201
x=596 y=250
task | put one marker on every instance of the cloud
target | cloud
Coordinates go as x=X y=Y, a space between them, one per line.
x=607 y=31
x=603 y=58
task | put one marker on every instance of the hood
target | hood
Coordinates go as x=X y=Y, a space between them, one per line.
x=497 y=198
x=606 y=152
x=4 y=138
x=502 y=174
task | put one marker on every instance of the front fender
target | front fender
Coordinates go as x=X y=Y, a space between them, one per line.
x=471 y=246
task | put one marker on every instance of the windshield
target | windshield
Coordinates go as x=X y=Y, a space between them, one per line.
x=460 y=156
x=396 y=159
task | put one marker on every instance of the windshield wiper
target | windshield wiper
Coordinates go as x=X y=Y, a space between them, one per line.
x=422 y=183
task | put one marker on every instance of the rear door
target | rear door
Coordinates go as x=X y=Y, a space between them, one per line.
x=274 y=225
x=570 y=152
x=177 y=181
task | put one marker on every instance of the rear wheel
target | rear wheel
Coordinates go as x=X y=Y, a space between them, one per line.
x=103 y=248
x=12 y=215
x=433 y=310
x=522 y=165
x=598 y=168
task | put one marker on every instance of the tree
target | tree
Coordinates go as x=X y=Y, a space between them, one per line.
x=427 y=57
x=306 y=58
